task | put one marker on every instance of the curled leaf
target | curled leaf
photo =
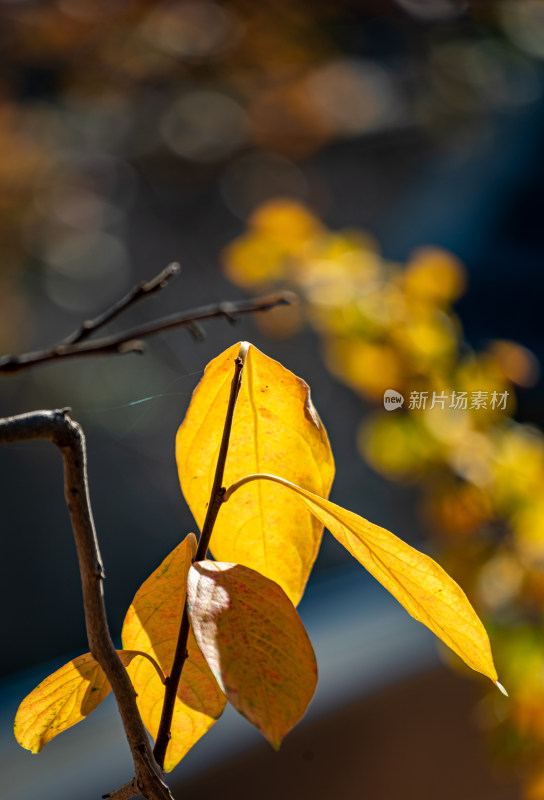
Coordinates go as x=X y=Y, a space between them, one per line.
x=255 y=644
x=275 y=428
x=424 y=589
x=152 y=625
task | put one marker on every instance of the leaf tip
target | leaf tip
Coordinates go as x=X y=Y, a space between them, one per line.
x=275 y=742
x=501 y=688
x=193 y=544
x=34 y=744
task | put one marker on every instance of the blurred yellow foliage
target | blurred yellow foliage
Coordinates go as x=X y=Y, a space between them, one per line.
x=434 y=277
x=389 y=326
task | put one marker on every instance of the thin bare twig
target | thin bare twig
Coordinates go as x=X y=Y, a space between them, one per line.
x=58 y=427
x=131 y=340
x=137 y=293
x=216 y=501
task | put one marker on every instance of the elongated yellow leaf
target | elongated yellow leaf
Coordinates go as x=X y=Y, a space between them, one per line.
x=152 y=624
x=275 y=429
x=254 y=642
x=419 y=583
x=63 y=699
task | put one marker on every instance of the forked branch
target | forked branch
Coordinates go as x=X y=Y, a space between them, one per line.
x=137 y=293
x=80 y=344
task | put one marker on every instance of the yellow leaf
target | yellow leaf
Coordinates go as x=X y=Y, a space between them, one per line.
x=277 y=429
x=419 y=583
x=61 y=700
x=254 y=642
x=152 y=625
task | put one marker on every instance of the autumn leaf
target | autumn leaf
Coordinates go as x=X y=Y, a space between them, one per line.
x=152 y=625
x=255 y=644
x=63 y=699
x=276 y=429
x=419 y=583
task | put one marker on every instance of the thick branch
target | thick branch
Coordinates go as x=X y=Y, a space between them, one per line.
x=131 y=340
x=216 y=500
x=67 y=435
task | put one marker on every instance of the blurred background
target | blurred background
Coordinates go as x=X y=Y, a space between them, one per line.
x=382 y=159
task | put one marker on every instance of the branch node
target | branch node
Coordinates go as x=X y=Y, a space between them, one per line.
x=228 y=311
x=134 y=346
x=130 y=789
x=197 y=331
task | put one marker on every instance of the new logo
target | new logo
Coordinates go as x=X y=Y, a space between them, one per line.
x=392 y=400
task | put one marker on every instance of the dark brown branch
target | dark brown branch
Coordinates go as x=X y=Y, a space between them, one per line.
x=171 y=690
x=131 y=341
x=216 y=501
x=137 y=293
x=217 y=492
x=124 y=792
x=67 y=435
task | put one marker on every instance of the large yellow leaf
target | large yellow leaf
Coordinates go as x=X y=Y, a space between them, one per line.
x=64 y=698
x=419 y=583
x=275 y=429
x=254 y=642
x=152 y=625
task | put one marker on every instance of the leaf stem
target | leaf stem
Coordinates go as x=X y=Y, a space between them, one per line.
x=130 y=653
x=216 y=501
x=254 y=476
